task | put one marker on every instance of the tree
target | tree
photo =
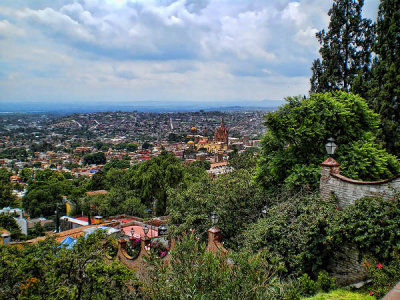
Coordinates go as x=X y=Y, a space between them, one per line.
x=385 y=86
x=147 y=145
x=131 y=147
x=8 y=222
x=116 y=164
x=345 y=50
x=194 y=273
x=48 y=271
x=303 y=221
x=293 y=147
x=153 y=178
x=234 y=197
x=4 y=175
x=98 y=158
x=244 y=160
x=6 y=196
x=201 y=164
x=26 y=174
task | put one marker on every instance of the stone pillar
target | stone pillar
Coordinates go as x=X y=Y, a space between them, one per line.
x=145 y=244
x=214 y=236
x=328 y=167
x=122 y=244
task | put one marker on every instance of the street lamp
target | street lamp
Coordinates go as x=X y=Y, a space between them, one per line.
x=214 y=218
x=162 y=230
x=264 y=211
x=145 y=229
x=330 y=146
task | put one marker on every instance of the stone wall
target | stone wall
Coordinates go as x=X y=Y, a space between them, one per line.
x=345 y=265
x=347 y=190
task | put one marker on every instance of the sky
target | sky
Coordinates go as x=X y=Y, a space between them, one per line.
x=83 y=51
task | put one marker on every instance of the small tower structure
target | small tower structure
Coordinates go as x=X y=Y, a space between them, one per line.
x=221 y=133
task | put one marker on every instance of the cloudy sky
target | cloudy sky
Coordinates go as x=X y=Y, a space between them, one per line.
x=168 y=50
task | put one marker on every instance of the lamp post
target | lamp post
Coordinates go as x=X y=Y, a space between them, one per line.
x=330 y=146
x=264 y=211
x=145 y=230
x=214 y=218
x=162 y=230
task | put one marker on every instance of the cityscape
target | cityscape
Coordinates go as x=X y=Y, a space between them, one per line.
x=200 y=149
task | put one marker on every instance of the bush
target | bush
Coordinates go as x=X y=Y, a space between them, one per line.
x=296 y=231
x=307 y=286
x=325 y=282
x=384 y=276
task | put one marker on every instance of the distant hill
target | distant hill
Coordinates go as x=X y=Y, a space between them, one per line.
x=141 y=106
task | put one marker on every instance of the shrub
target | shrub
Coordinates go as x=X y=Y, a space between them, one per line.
x=325 y=282
x=307 y=286
x=384 y=276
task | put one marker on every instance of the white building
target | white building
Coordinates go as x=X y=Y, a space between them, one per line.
x=18 y=216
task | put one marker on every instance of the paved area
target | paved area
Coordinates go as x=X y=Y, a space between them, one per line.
x=394 y=294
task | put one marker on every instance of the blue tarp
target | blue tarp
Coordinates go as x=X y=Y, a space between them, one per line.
x=68 y=242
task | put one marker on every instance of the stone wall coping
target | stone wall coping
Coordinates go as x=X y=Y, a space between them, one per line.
x=330 y=162
x=344 y=178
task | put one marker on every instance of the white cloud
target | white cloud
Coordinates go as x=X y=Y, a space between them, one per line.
x=10 y=30
x=166 y=49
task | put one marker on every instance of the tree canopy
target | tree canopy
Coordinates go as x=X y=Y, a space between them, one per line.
x=384 y=95
x=293 y=147
x=48 y=271
x=345 y=50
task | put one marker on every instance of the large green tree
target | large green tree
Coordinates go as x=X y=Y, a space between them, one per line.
x=345 y=50
x=385 y=86
x=48 y=271
x=234 y=197
x=293 y=147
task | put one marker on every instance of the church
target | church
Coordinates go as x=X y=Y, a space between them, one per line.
x=221 y=133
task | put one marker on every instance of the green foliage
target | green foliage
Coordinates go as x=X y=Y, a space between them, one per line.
x=371 y=224
x=384 y=276
x=147 y=145
x=98 y=181
x=325 y=282
x=6 y=196
x=234 y=197
x=98 y=158
x=71 y=165
x=4 y=175
x=47 y=271
x=153 y=178
x=307 y=286
x=345 y=50
x=293 y=147
x=201 y=164
x=244 y=160
x=47 y=190
x=116 y=164
x=131 y=147
x=14 y=153
x=341 y=294
x=384 y=94
x=194 y=273
x=26 y=174
x=294 y=230
x=117 y=201
x=177 y=138
x=36 y=231
x=7 y=222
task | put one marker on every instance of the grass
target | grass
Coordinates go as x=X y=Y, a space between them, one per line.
x=340 y=295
